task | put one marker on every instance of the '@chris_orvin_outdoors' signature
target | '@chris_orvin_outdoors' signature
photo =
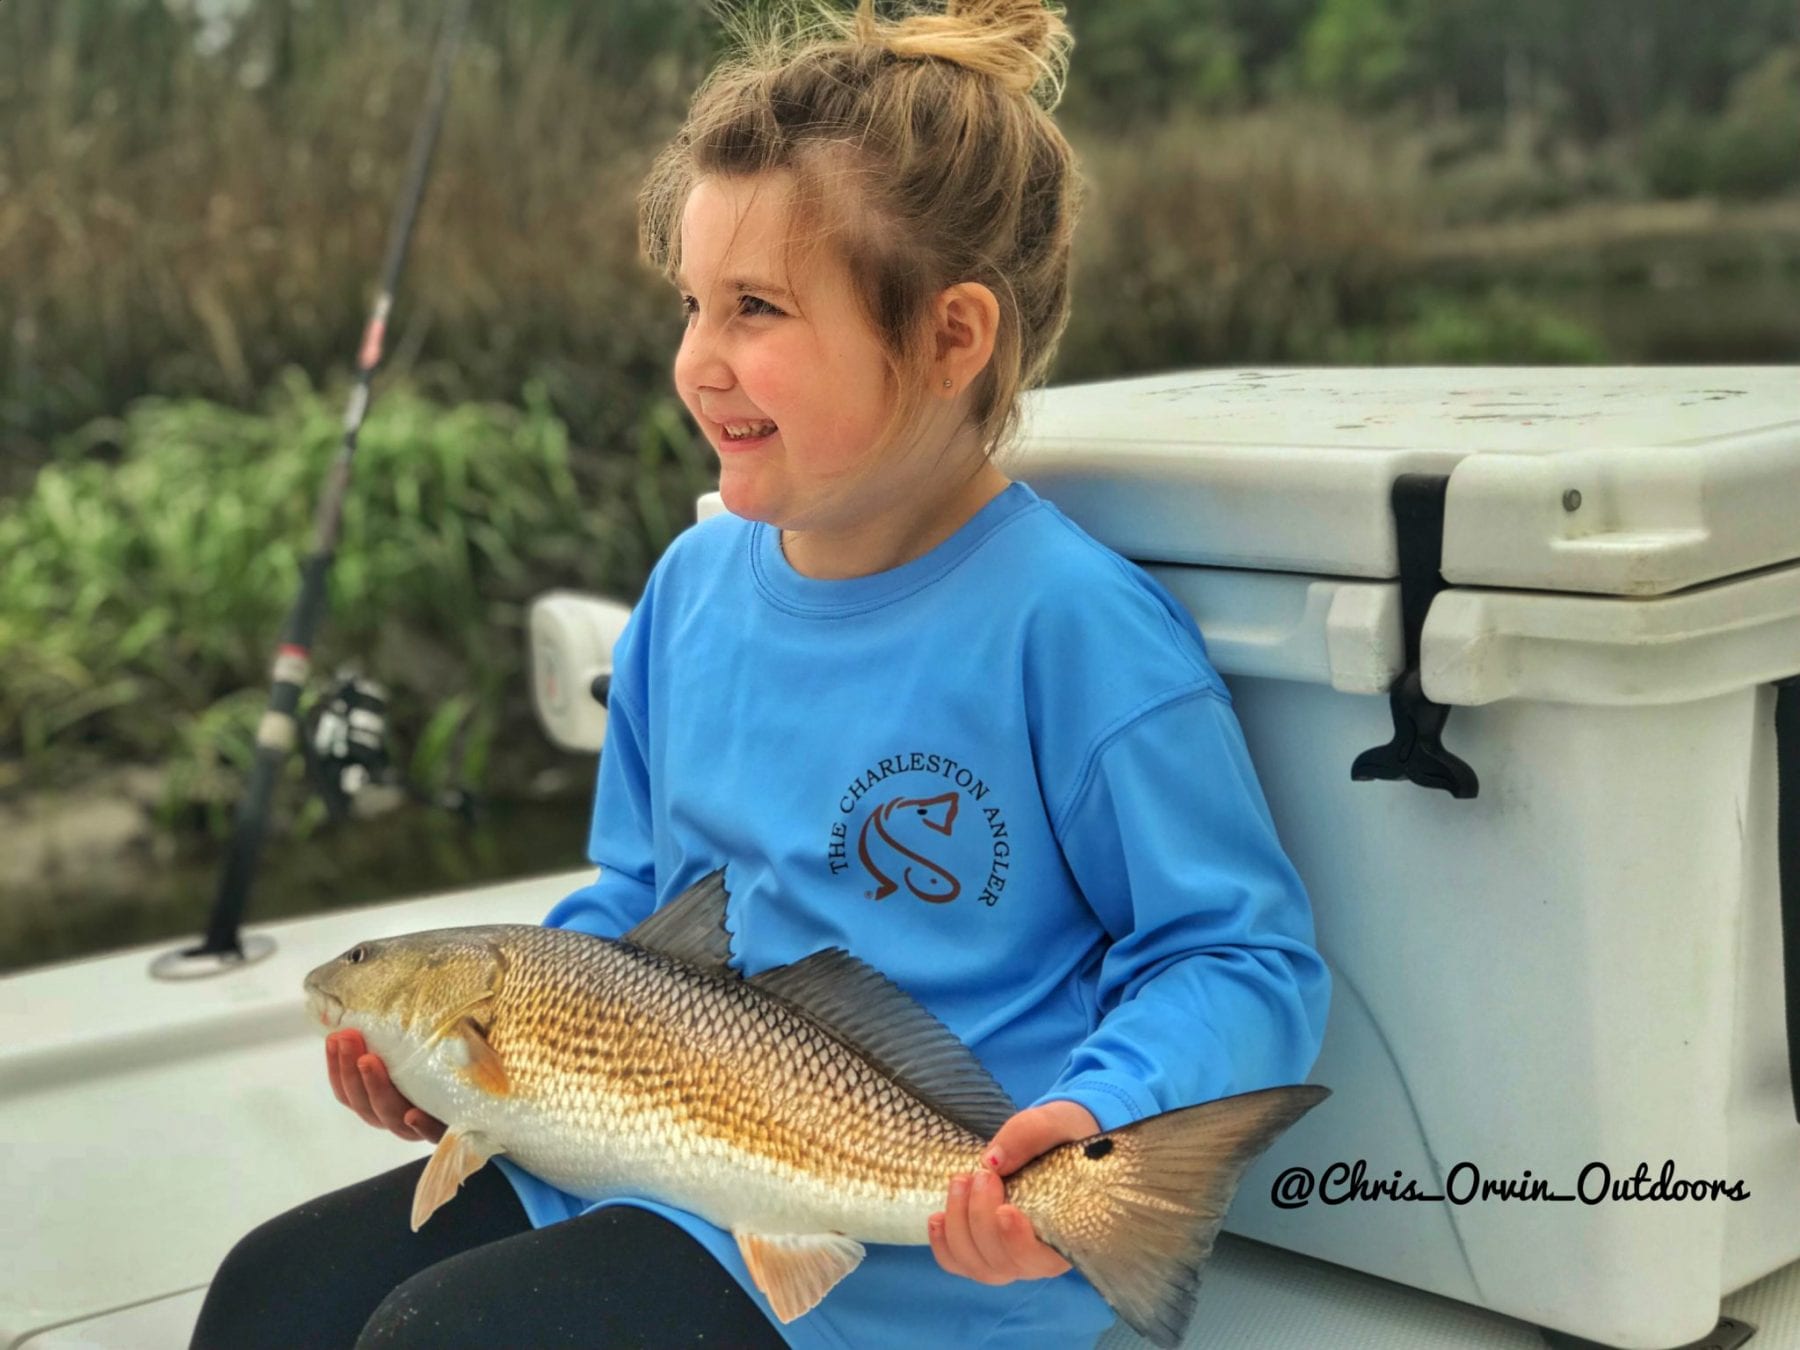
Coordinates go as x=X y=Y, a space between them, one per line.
x=1342 y=1183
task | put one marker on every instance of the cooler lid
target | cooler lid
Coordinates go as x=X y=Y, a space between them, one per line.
x=1612 y=481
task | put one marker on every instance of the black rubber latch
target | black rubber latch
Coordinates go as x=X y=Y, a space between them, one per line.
x=1787 y=852
x=1417 y=752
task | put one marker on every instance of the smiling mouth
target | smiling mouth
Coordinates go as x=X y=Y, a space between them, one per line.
x=746 y=433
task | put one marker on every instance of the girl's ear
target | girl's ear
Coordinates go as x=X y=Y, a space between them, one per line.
x=966 y=317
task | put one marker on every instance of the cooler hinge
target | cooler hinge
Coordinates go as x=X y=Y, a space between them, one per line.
x=1417 y=751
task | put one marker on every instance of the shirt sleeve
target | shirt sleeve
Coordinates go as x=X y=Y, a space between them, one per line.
x=1212 y=985
x=620 y=840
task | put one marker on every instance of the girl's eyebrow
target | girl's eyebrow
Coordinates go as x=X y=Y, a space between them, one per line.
x=744 y=284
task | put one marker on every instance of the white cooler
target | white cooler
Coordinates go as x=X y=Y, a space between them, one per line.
x=1581 y=962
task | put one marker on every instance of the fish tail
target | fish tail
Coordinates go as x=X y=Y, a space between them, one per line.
x=1136 y=1209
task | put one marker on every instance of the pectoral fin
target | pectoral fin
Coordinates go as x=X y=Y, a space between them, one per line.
x=484 y=1069
x=795 y=1271
x=458 y=1156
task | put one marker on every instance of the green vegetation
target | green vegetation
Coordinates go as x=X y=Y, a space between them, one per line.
x=1751 y=150
x=144 y=576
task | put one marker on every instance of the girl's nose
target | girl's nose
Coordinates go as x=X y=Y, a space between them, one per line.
x=699 y=362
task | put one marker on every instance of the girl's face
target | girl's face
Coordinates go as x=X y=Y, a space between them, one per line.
x=764 y=347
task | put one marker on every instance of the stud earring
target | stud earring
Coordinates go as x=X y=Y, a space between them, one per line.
x=946 y=384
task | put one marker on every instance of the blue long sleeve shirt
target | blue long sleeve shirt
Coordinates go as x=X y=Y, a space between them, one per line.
x=1005 y=775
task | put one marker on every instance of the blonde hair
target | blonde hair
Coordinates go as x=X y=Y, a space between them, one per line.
x=924 y=149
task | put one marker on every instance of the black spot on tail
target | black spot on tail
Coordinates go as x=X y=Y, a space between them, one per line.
x=1099 y=1148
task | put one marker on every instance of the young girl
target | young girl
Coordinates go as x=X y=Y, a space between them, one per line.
x=913 y=710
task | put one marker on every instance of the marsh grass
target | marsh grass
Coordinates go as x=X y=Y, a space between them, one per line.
x=175 y=222
x=1238 y=239
x=180 y=223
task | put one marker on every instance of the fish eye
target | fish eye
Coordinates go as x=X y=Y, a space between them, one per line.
x=357 y=955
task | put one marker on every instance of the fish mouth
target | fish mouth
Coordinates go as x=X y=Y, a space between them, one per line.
x=325 y=1009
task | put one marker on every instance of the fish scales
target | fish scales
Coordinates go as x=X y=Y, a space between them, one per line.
x=611 y=1047
x=808 y=1110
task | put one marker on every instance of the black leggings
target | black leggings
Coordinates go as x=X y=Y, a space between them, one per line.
x=344 y=1270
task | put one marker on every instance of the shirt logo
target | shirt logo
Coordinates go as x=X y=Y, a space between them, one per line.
x=908 y=841
x=923 y=877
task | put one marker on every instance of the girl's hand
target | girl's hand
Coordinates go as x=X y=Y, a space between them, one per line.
x=359 y=1080
x=979 y=1235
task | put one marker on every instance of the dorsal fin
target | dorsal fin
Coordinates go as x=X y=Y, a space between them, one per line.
x=863 y=1007
x=691 y=927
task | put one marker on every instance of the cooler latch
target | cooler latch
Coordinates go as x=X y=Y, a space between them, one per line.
x=1787 y=855
x=1417 y=751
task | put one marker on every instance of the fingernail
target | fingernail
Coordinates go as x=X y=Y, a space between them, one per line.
x=992 y=1159
x=366 y=1064
x=936 y=1224
x=959 y=1184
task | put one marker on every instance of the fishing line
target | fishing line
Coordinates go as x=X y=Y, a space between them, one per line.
x=223 y=947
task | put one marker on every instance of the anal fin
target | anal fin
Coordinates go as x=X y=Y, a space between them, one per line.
x=459 y=1155
x=795 y=1271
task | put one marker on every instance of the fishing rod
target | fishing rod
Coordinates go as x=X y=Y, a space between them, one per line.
x=224 y=948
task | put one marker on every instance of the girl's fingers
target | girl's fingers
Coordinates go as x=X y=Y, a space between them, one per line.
x=388 y=1105
x=1030 y=1256
x=360 y=1081
x=959 y=1245
x=934 y=1235
x=982 y=1238
x=985 y=1196
x=356 y=1092
x=331 y=1071
x=1003 y=1235
x=956 y=1244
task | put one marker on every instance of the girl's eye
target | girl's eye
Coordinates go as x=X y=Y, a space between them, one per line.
x=750 y=304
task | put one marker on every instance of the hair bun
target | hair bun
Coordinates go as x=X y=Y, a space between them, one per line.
x=1024 y=44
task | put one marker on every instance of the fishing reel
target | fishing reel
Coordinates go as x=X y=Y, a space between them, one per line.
x=346 y=748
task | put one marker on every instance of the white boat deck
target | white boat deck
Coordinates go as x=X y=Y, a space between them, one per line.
x=146 y=1125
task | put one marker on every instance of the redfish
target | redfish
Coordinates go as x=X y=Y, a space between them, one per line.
x=807 y=1110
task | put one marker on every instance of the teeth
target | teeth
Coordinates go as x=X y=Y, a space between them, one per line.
x=737 y=431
